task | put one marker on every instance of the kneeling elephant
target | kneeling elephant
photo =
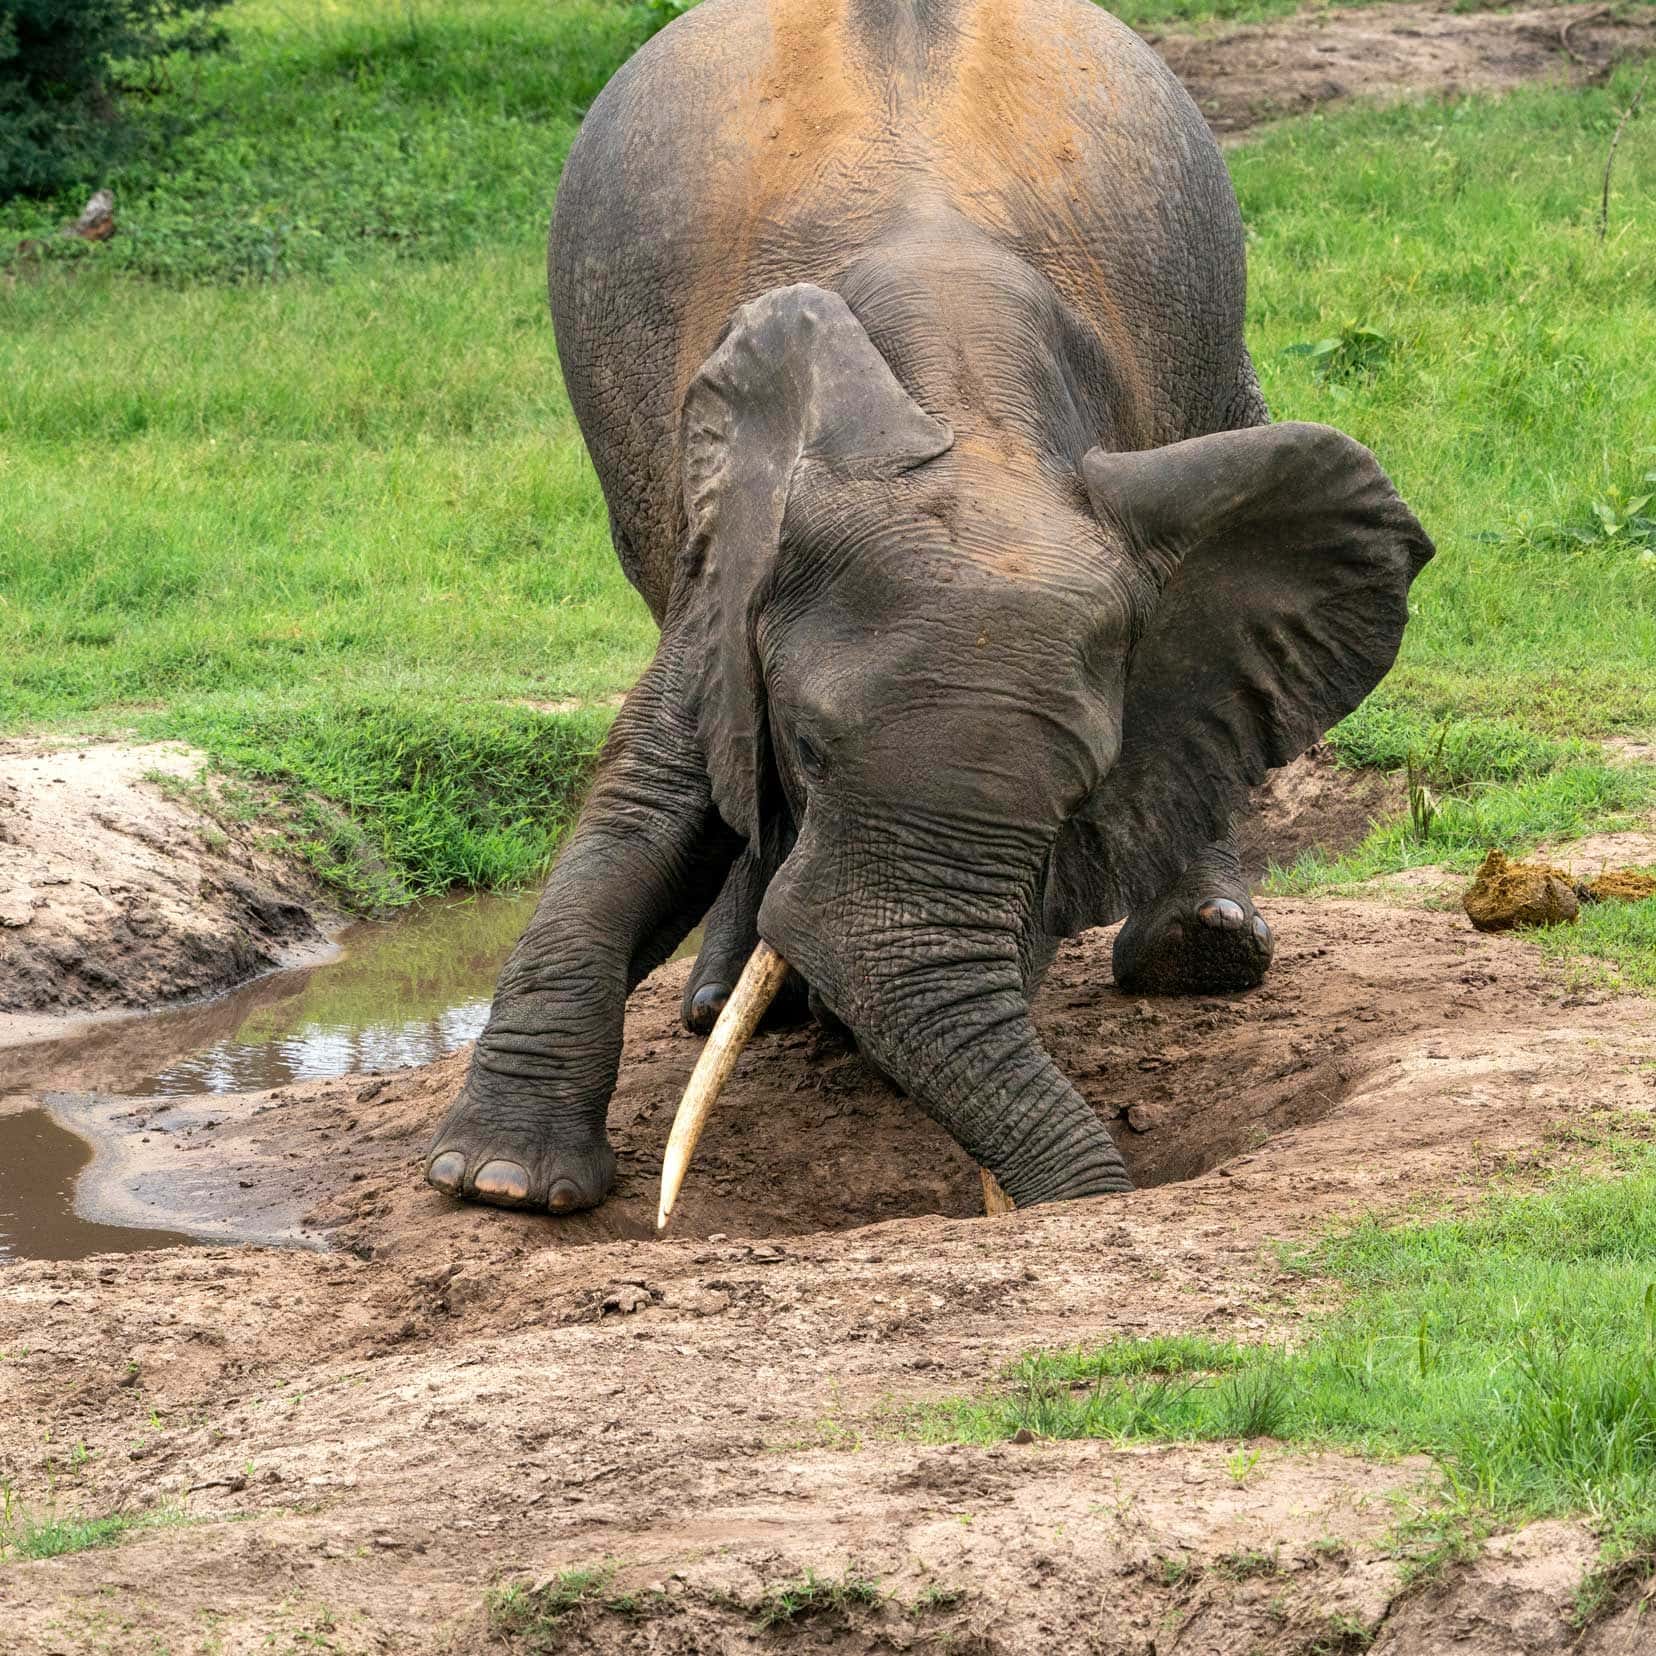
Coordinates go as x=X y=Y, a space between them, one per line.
x=906 y=339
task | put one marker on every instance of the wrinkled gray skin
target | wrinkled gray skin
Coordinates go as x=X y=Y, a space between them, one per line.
x=906 y=337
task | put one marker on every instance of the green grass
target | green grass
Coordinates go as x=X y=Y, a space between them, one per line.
x=24 y=1535
x=291 y=454
x=1610 y=943
x=537 y=1618
x=1553 y=805
x=1512 y=399
x=1516 y=1345
x=390 y=799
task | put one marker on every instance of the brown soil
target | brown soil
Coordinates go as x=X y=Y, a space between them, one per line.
x=114 y=893
x=368 y=1439
x=1313 y=803
x=1243 y=76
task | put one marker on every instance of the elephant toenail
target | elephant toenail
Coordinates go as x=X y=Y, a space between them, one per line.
x=502 y=1181
x=565 y=1197
x=711 y=997
x=447 y=1171
x=1222 y=913
x=1261 y=930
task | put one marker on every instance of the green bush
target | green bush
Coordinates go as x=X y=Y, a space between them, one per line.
x=64 y=67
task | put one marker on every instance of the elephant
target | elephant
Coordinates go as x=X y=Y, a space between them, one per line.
x=906 y=339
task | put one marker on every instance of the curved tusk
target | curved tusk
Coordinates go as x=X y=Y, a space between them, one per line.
x=995 y=1200
x=754 y=991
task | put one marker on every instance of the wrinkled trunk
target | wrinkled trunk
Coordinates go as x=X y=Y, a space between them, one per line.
x=957 y=1037
x=931 y=983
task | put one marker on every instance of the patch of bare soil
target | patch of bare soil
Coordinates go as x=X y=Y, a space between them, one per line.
x=1245 y=75
x=114 y=893
x=1314 y=804
x=366 y=1440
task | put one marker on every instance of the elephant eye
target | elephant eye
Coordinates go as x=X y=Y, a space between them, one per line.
x=810 y=760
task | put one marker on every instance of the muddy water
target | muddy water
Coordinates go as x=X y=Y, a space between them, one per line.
x=401 y=992
x=39 y=1163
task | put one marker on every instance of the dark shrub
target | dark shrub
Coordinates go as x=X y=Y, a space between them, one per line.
x=65 y=66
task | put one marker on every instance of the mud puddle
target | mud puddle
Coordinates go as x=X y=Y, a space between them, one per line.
x=400 y=993
x=39 y=1164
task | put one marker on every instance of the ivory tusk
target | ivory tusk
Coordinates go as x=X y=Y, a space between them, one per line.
x=995 y=1200
x=754 y=991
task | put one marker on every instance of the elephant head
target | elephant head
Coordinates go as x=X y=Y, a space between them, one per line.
x=964 y=704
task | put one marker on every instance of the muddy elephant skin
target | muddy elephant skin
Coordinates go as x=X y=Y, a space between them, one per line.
x=906 y=338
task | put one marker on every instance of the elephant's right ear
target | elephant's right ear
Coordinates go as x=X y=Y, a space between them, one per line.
x=796 y=378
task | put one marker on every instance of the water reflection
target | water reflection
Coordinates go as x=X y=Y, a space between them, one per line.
x=405 y=991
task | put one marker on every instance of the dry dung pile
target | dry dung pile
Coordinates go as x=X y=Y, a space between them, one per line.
x=1506 y=894
x=1621 y=885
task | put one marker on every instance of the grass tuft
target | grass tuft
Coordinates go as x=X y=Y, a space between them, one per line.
x=388 y=802
x=537 y=1618
x=25 y=1535
x=811 y=1595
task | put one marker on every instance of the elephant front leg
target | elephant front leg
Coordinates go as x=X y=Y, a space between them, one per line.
x=1202 y=935
x=645 y=858
x=730 y=932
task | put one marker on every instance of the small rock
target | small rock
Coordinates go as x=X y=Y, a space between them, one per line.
x=372 y=1090
x=1142 y=1117
x=95 y=224
x=624 y=1298
x=466 y=1290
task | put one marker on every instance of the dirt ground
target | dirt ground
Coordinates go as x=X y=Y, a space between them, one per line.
x=1244 y=75
x=365 y=1440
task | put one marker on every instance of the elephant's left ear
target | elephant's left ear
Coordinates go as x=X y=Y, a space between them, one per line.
x=1283 y=556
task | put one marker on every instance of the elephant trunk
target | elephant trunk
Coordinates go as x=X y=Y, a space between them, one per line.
x=920 y=957
x=956 y=1034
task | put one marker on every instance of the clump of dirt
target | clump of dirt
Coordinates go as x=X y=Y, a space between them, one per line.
x=1244 y=76
x=115 y=893
x=1504 y=894
x=1622 y=885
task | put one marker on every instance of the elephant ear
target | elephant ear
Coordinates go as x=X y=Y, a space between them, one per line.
x=795 y=379
x=1284 y=558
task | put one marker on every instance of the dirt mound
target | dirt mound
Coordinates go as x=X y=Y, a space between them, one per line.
x=1314 y=804
x=367 y=1440
x=1243 y=76
x=114 y=893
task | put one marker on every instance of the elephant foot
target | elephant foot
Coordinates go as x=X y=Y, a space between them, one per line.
x=514 y=1161
x=710 y=983
x=1213 y=941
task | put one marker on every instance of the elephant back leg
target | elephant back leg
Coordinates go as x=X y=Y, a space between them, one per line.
x=1201 y=936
